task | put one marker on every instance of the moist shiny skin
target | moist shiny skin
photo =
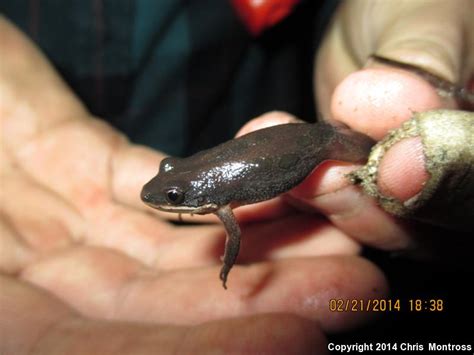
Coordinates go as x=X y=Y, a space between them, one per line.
x=252 y=168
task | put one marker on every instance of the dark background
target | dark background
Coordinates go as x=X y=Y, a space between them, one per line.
x=411 y=279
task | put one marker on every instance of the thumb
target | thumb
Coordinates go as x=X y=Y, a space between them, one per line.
x=445 y=139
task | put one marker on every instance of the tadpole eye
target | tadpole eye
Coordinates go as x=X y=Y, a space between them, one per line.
x=174 y=196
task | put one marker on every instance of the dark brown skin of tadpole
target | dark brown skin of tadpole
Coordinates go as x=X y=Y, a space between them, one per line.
x=249 y=169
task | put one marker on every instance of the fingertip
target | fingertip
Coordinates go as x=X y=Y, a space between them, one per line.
x=268 y=119
x=402 y=173
x=375 y=100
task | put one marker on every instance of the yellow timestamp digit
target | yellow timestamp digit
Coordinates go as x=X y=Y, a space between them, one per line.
x=415 y=305
x=436 y=305
x=431 y=305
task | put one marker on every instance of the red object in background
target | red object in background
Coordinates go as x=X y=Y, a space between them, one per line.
x=258 y=15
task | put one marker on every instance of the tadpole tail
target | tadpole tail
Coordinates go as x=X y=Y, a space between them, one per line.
x=350 y=146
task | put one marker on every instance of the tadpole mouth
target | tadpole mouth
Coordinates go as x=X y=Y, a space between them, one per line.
x=204 y=209
x=146 y=197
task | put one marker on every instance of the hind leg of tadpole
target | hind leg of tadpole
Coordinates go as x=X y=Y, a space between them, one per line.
x=232 y=243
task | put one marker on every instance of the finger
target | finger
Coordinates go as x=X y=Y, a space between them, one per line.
x=328 y=190
x=121 y=289
x=374 y=101
x=359 y=216
x=441 y=44
x=394 y=30
x=438 y=191
x=27 y=109
x=269 y=119
x=33 y=321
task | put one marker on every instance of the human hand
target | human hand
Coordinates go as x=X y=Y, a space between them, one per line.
x=86 y=266
x=373 y=98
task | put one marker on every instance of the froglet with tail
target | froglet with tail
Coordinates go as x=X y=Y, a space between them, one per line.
x=252 y=168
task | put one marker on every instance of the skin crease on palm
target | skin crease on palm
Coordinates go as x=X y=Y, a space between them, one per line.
x=82 y=258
